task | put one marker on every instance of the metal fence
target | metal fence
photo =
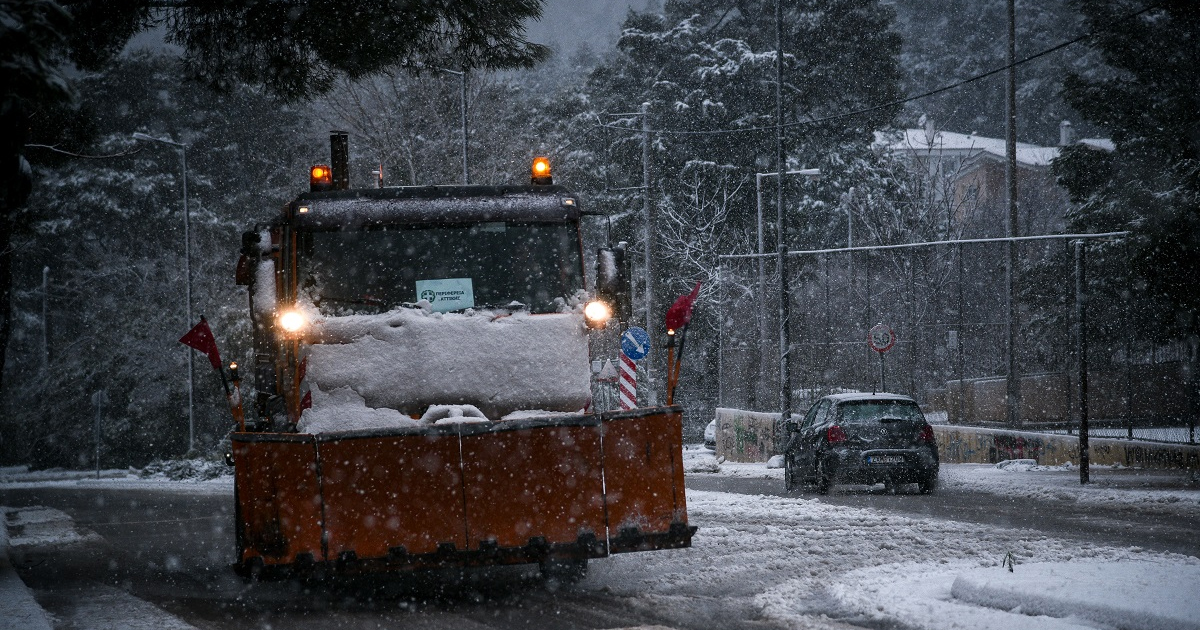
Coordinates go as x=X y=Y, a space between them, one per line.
x=948 y=307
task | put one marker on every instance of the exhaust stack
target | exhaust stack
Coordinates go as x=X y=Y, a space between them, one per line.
x=339 y=157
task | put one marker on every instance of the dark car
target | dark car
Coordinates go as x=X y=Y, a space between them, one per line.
x=861 y=439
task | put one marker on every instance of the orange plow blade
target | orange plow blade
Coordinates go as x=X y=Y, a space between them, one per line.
x=573 y=487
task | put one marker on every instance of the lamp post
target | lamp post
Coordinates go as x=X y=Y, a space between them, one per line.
x=462 y=74
x=187 y=262
x=808 y=173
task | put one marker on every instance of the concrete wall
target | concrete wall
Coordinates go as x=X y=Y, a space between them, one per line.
x=746 y=436
x=749 y=436
x=973 y=445
x=1154 y=391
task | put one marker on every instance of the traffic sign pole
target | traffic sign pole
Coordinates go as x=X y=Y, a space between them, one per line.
x=627 y=387
x=882 y=373
x=881 y=338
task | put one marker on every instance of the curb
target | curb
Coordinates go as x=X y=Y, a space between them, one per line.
x=18 y=609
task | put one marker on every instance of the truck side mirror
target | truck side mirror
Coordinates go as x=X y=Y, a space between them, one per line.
x=244 y=276
x=612 y=280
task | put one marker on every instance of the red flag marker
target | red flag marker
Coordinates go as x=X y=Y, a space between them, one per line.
x=680 y=312
x=306 y=402
x=678 y=317
x=200 y=337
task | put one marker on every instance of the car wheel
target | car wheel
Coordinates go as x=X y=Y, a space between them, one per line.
x=824 y=479
x=789 y=477
x=927 y=484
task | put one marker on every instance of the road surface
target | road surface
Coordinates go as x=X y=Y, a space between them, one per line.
x=174 y=549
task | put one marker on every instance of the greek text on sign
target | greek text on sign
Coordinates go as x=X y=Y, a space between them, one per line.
x=881 y=338
x=635 y=343
x=447 y=294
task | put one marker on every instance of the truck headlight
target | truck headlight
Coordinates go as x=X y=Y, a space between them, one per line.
x=293 y=321
x=597 y=313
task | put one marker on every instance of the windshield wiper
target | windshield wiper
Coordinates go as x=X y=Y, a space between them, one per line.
x=511 y=306
x=364 y=300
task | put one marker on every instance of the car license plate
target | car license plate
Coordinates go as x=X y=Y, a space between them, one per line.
x=885 y=459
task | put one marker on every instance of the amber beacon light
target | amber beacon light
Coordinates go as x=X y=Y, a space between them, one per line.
x=320 y=177
x=541 y=172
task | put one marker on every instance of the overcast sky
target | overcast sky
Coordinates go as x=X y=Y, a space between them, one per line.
x=567 y=24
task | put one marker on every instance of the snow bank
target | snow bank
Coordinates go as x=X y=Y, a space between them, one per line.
x=1146 y=595
x=43 y=527
x=1155 y=490
x=402 y=362
x=18 y=609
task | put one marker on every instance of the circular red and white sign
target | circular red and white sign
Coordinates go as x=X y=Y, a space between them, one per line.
x=881 y=338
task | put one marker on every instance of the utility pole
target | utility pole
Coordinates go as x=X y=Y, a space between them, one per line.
x=45 y=321
x=1081 y=350
x=810 y=173
x=785 y=374
x=1010 y=175
x=760 y=315
x=648 y=235
x=462 y=106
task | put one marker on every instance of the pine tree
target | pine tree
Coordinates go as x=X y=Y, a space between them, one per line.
x=110 y=231
x=702 y=67
x=1150 y=184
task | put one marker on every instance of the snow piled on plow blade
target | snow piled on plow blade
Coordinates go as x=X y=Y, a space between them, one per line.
x=396 y=365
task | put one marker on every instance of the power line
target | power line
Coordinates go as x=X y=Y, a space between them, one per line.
x=872 y=248
x=55 y=149
x=909 y=99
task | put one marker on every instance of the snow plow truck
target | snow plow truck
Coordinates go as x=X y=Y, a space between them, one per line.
x=423 y=376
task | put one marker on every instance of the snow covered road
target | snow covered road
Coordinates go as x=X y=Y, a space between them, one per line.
x=759 y=561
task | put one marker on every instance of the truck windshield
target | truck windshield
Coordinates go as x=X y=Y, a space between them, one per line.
x=528 y=266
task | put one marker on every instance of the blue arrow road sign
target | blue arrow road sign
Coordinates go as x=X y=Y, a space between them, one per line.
x=635 y=343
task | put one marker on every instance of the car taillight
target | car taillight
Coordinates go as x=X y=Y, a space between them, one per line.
x=926 y=435
x=835 y=434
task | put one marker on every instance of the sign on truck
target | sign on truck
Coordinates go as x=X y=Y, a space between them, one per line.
x=422 y=366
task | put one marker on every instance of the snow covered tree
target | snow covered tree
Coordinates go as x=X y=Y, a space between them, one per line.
x=292 y=49
x=110 y=233
x=706 y=74
x=946 y=41
x=1150 y=184
x=412 y=125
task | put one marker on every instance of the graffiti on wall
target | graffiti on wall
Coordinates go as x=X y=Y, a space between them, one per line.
x=1014 y=447
x=745 y=436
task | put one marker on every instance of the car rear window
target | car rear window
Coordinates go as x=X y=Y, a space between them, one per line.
x=872 y=411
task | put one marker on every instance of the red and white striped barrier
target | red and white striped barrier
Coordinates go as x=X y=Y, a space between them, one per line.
x=627 y=385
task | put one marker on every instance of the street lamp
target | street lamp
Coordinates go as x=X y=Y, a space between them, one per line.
x=463 y=108
x=187 y=262
x=808 y=173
